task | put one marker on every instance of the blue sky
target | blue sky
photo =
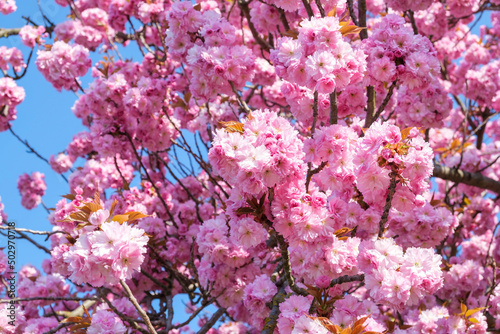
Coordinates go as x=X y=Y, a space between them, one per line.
x=45 y=120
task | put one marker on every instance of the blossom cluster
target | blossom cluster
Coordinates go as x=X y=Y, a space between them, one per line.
x=105 y=321
x=368 y=161
x=7 y=7
x=108 y=255
x=399 y=279
x=105 y=172
x=267 y=153
x=63 y=64
x=30 y=36
x=12 y=57
x=128 y=104
x=396 y=54
x=60 y=163
x=319 y=58
x=32 y=188
x=42 y=286
x=426 y=226
x=428 y=108
x=11 y=96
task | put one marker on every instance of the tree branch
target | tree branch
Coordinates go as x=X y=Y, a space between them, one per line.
x=350 y=6
x=363 y=34
x=287 y=268
x=333 y=108
x=468 y=178
x=138 y=307
x=245 y=10
x=272 y=320
x=206 y=327
x=347 y=279
x=381 y=108
x=387 y=207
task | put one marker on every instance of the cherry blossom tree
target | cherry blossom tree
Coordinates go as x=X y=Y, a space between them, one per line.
x=327 y=166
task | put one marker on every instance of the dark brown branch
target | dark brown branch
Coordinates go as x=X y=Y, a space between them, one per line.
x=206 y=327
x=370 y=107
x=315 y=112
x=311 y=172
x=334 y=110
x=362 y=19
x=347 y=279
x=468 y=178
x=350 y=6
x=283 y=19
x=308 y=8
x=485 y=115
x=245 y=10
x=412 y=21
x=387 y=207
x=320 y=8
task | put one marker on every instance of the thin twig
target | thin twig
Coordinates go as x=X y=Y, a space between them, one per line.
x=32 y=150
x=48 y=299
x=138 y=307
x=242 y=103
x=382 y=106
